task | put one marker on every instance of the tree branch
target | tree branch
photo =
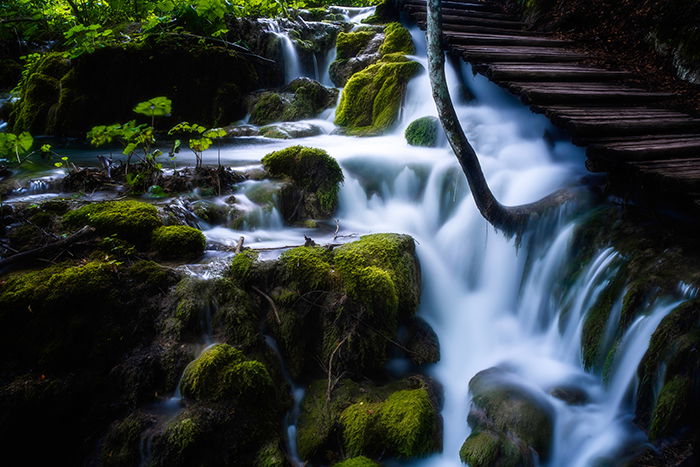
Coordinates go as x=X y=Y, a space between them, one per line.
x=510 y=219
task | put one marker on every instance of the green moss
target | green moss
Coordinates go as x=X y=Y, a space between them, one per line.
x=422 y=132
x=372 y=98
x=131 y=220
x=270 y=456
x=310 y=98
x=596 y=321
x=485 y=449
x=308 y=267
x=241 y=265
x=672 y=409
x=222 y=373
x=397 y=40
x=181 y=434
x=359 y=425
x=391 y=253
x=311 y=170
x=407 y=423
x=268 y=108
x=349 y=44
x=360 y=461
x=178 y=242
x=122 y=443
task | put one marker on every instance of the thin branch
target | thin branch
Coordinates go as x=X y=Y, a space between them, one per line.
x=270 y=301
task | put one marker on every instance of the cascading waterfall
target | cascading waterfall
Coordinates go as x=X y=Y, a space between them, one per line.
x=290 y=57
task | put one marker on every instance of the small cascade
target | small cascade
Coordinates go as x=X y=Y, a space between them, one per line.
x=290 y=57
x=290 y=420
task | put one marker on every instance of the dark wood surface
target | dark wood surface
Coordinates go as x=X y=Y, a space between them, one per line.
x=626 y=129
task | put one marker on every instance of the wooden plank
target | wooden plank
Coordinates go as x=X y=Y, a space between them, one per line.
x=516 y=54
x=458 y=5
x=550 y=72
x=483 y=29
x=500 y=39
x=582 y=93
x=620 y=127
x=468 y=13
x=661 y=148
x=448 y=20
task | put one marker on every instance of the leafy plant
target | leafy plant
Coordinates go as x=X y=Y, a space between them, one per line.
x=200 y=139
x=15 y=145
x=83 y=39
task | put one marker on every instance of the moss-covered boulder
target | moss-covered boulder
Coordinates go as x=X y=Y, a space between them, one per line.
x=178 y=242
x=131 y=220
x=314 y=177
x=301 y=99
x=222 y=372
x=397 y=40
x=510 y=423
x=122 y=445
x=371 y=100
x=421 y=343
x=355 y=51
x=423 y=132
x=399 y=419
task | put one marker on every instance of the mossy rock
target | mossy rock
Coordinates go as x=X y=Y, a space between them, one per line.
x=422 y=343
x=404 y=425
x=178 y=242
x=399 y=419
x=487 y=449
x=423 y=132
x=397 y=40
x=349 y=44
x=315 y=178
x=372 y=98
x=271 y=455
x=222 y=372
x=673 y=408
x=122 y=445
x=130 y=220
x=360 y=461
x=268 y=108
x=301 y=99
x=513 y=414
x=386 y=12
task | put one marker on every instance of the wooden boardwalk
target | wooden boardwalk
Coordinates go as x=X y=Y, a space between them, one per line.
x=630 y=132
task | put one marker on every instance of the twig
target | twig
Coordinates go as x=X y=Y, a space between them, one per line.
x=270 y=301
x=239 y=245
x=330 y=366
x=234 y=46
x=31 y=255
x=337 y=229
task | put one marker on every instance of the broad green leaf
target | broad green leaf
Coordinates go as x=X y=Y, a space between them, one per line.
x=157 y=107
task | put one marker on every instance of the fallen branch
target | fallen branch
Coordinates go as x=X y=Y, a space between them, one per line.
x=270 y=301
x=234 y=46
x=33 y=255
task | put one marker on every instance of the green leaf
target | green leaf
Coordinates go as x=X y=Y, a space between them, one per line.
x=24 y=141
x=157 y=107
x=46 y=148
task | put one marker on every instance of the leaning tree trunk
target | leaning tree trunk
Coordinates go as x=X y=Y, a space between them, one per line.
x=510 y=219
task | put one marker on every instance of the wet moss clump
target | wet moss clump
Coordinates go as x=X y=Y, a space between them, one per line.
x=222 y=372
x=130 y=220
x=372 y=98
x=268 y=108
x=485 y=449
x=315 y=181
x=301 y=99
x=178 y=242
x=423 y=132
x=397 y=40
x=360 y=461
x=350 y=44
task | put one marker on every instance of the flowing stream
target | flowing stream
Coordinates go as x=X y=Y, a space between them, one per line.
x=490 y=301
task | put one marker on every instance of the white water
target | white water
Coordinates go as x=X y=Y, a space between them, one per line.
x=290 y=57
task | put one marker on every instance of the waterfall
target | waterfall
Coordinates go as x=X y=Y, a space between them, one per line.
x=290 y=57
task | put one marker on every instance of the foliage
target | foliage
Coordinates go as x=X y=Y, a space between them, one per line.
x=81 y=39
x=201 y=138
x=18 y=147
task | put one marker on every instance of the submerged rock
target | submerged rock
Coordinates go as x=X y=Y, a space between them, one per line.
x=290 y=130
x=314 y=177
x=511 y=425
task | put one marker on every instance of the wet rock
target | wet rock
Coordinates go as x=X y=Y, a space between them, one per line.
x=423 y=132
x=314 y=177
x=290 y=130
x=510 y=423
x=355 y=51
x=572 y=395
x=303 y=98
x=122 y=445
x=422 y=343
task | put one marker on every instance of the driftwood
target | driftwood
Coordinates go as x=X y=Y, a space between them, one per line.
x=53 y=248
x=509 y=219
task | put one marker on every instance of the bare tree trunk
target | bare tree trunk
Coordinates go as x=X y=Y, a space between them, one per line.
x=510 y=219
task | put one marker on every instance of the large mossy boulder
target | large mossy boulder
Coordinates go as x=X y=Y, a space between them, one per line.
x=320 y=297
x=423 y=132
x=512 y=426
x=130 y=220
x=364 y=421
x=178 y=242
x=62 y=97
x=372 y=99
x=314 y=178
x=301 y=99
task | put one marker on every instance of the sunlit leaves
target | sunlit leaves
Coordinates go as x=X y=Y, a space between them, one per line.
x=156 y=107
x=15 y=145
